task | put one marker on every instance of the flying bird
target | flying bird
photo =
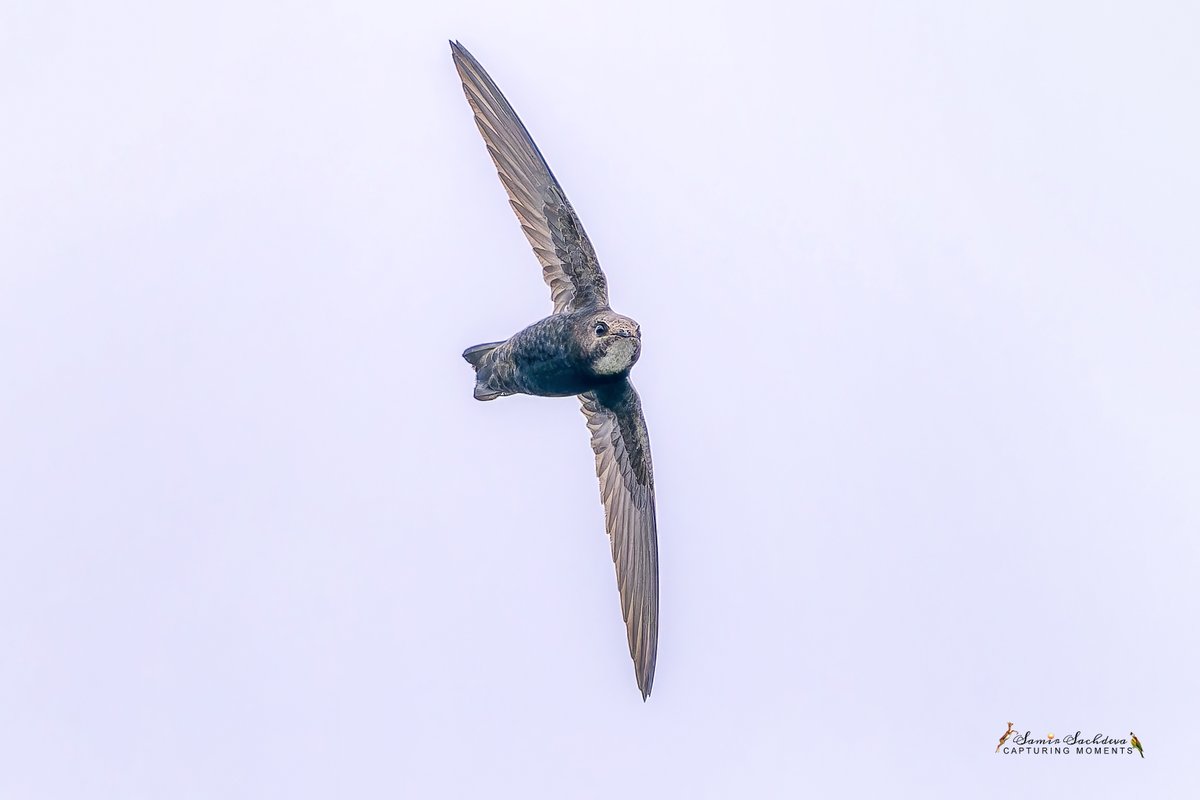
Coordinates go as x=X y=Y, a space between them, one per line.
x=1133 y=740
x=584 y=348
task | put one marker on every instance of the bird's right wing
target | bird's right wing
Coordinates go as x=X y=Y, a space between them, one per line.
x=569 y=263
x=622 y=447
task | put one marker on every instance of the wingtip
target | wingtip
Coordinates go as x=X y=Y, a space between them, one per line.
x=645 y=686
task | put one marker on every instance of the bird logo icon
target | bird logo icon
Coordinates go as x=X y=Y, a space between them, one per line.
x=1004 y=738
x=1133 y=740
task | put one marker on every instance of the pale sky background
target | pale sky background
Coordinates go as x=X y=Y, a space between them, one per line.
x=918 y=284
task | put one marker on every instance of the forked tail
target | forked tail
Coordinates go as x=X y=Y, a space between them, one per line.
x=475 y=357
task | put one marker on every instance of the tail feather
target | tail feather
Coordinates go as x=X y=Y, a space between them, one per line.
x=484 y=393
x=475 y=355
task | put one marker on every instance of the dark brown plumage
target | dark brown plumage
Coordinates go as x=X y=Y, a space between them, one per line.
x=583 y=348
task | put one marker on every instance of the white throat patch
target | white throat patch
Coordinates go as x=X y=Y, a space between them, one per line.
x=618 y=358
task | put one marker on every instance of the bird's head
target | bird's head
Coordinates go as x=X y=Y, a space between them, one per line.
x=611 y=341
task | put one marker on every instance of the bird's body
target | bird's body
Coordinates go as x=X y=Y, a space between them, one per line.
x=1133 y=740
x=558 y=356
x=584 y=348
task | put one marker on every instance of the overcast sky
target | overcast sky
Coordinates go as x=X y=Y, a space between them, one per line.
x=918 y=285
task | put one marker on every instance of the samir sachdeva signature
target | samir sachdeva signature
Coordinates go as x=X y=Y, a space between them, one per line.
x=1077 y=743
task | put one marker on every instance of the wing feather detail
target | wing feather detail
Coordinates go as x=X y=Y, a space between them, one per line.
x=622 y=447
x=569 y=263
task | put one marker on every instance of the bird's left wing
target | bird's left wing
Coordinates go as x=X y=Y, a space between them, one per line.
x=622 y=447
x=569 y=263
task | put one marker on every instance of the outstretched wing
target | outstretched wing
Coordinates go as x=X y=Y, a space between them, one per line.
x=568 y=261
x=622 y=446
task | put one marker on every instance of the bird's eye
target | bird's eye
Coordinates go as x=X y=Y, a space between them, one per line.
x=601 y=329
